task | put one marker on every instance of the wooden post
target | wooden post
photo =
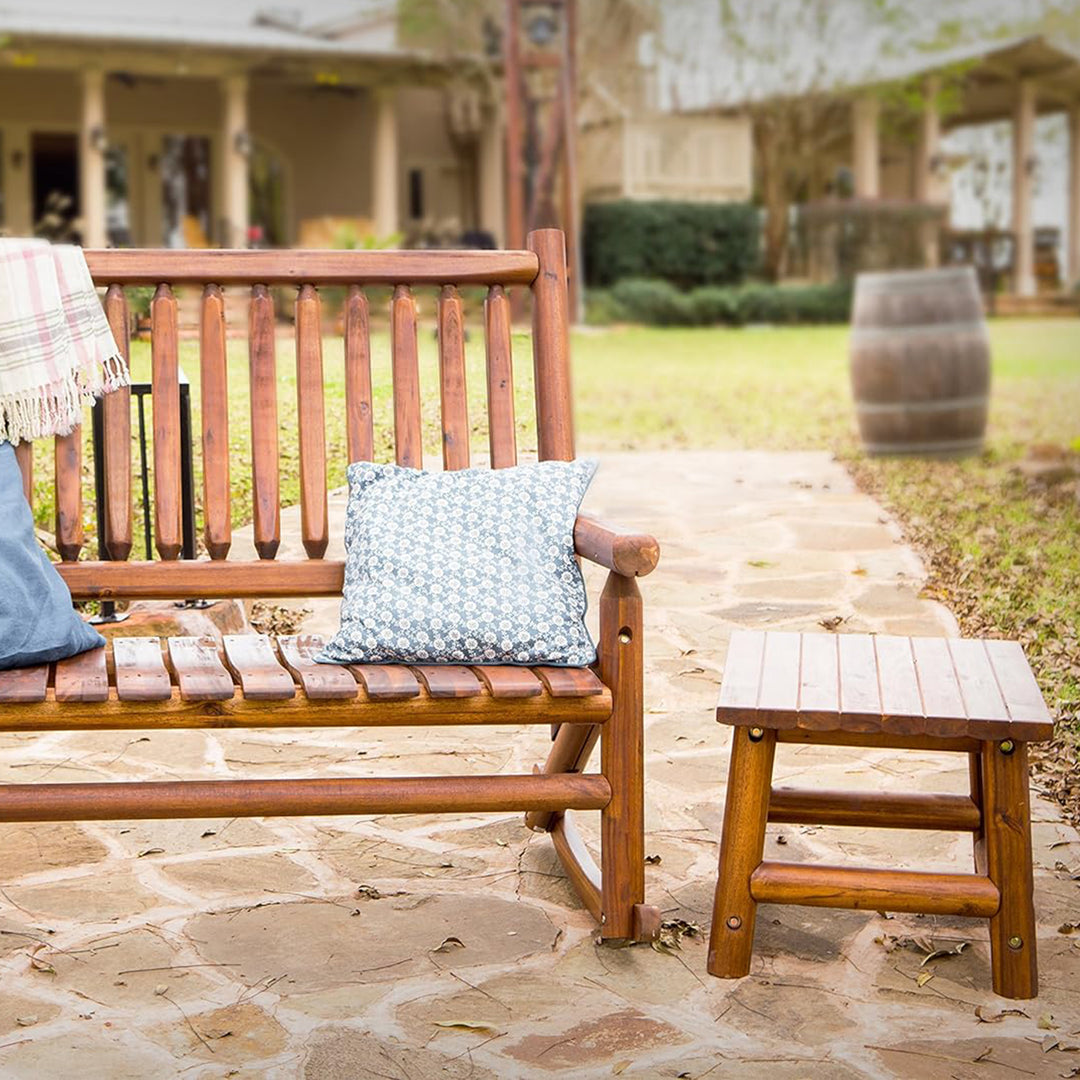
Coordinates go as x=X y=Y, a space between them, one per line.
x=865 y=150
x=384 y=164
x=92 y=159
x=1073 y=278
x=928 y=188
x=570 y=206
x=1023 y=176
x=234 y=154
x=490 y=167
x=746 y=811
x=515 y=128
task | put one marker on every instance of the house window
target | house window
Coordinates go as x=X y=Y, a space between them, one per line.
x=416 y=194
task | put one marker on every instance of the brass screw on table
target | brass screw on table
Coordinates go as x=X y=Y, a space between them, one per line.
x=756 y=734
x=1007 y=746
x=734 y=922
x=1016 y=942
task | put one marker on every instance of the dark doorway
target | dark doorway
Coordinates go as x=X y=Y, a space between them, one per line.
x=55 y=158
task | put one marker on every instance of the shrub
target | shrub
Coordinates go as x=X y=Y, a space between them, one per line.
x=685 y=243
x=655 y=303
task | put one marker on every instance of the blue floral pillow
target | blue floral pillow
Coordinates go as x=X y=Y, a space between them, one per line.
x=469 y=567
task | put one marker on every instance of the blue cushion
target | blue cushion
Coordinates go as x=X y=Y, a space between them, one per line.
x=37 y=621
x=469 y=567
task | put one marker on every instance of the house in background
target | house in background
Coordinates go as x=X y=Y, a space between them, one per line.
x=210 y=122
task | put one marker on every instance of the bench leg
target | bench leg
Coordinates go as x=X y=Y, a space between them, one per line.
x=1007 y=825
x=622 y=752
x=746 y=812
x=978 y=838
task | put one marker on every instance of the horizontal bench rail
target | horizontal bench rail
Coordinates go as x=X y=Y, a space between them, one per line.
x=289 y=798
x=876 y=810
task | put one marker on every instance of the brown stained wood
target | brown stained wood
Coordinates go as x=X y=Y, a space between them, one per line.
x=943 y=704
x=778 y=695
x=819 y=681
x=314 y=527
x=214 y=407
x=82 y=678
x=502 y=437
x=386 y=682
x=1007 y=840
x=874 y=890
x=251 y=659
x=230 y=709
x=571 y=682
x=453 y=395
x=577 y=861
x=860 y=699
x=319 y=682
x=133 y=266
x=901 y=702
x=140 y=670
x=164 y=345
x=570 y=751
x=878 y=740
x=291 y=798
x=24 y=455
x=197 y=669
x=264 y=423
x=622 y=757
x=631 y=554
x=68 y=468
x=505 y=681
x=742 y=676
x=408 y=433
x=116 y=423
x=551 y=347
x=1018 y=687
x=876 y=810
x=23 y=685
x=447 y=680
x=982 y=696
x=746 y=811
x=358 y=415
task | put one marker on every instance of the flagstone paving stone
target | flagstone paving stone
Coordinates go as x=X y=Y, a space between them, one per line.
x=247 y=949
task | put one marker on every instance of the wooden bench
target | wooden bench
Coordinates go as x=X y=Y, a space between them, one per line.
x=968 y=696
x=253 y=681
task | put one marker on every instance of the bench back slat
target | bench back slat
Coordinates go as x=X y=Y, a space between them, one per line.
x=265 y=484
x=165 y=363
x=502 y=437
x=224 y=277
x=214 y=381
x=68 y=466
x=452 y=392
x=116 y=428
x=314 y=528
x=359 y=422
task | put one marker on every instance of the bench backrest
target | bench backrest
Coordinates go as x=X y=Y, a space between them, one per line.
x=542 y=268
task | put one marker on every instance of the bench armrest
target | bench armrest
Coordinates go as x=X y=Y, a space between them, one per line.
x=629 y=554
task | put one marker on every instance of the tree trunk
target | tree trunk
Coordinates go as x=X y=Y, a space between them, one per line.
x=767 y=138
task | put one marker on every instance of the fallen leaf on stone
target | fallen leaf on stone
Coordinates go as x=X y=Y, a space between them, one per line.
x=672 y=931
x=652 y=860
x=161 y=990
x=984 y=1014
x=465 y=1025
x=368 y=892
x=859 y=571
x=1069 y=928
x=1046 y=1022
x=216 y=1033
x=502 y=843
x=1048 y=1043
x=759 y=563
x=37 y=963
x=152 y=851
x=938 y=954
x=924 y=978
x=449 y=944
x=692 y=671
x=831 y=622
x=781 y=839
x=620 y=1067
x=25 y=1021
x=207 y=832
x=1074 y=1071
x=1059 y=843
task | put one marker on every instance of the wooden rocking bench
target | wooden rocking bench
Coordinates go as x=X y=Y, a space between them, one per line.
x=254 y=681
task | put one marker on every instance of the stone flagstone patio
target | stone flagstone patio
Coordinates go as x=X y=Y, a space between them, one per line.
x=423 y=947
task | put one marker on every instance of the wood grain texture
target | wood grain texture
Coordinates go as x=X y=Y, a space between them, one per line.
x=291 y=798
x=408 y=431
x=453 y=395
x=358 y=416
x=874 y=810
x=577 y=860
x=140 y=672
x=134 y=266
x=386 y=682
x=447 y=680
x=506 y=681
x=319 y=682
x=569 y=682
x=116 y=423
x=502 y=432
x=551 y=347
x=266 y=503
x=251 y=659
x=632 y=554
x=214 y=409
x=746 y=811
x=82 y=678
x=198 y=671
x=165 y=364
x=860 y=698
x=310 y=407
x=24 y=685
x=68 y=468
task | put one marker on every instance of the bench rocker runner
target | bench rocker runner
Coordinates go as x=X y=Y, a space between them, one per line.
x=256 y=681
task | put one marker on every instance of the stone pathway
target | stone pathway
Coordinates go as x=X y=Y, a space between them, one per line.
x=346 y=948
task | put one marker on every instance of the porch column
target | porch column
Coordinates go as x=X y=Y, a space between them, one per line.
x=384 y=164
x=1023 y=174
x=928 y=187
x=865 y=152
x=92 y=159
x=15 y=174
x=489 y=171
x=235 y=150
x=1073 y=276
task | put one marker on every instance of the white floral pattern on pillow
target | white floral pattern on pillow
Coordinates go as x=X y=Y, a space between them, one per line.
x=469 y=567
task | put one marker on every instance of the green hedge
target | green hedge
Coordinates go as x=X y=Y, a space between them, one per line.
x=685 y=243
x=658 y=303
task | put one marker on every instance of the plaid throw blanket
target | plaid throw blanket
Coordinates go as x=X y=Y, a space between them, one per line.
x=56 y=348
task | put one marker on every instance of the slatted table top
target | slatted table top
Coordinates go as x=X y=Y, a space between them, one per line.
x=946 y=687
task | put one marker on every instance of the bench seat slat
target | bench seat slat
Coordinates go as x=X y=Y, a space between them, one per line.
x=251 y=659
x=386 y=682
x=320 y=682
x=83 y=677
x=562 y=682
x=504 y=681
x=140 y=671
x=198 y=671
x=26 y=684
x=448 y=680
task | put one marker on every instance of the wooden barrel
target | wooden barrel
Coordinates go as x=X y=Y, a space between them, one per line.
x=920 y=361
